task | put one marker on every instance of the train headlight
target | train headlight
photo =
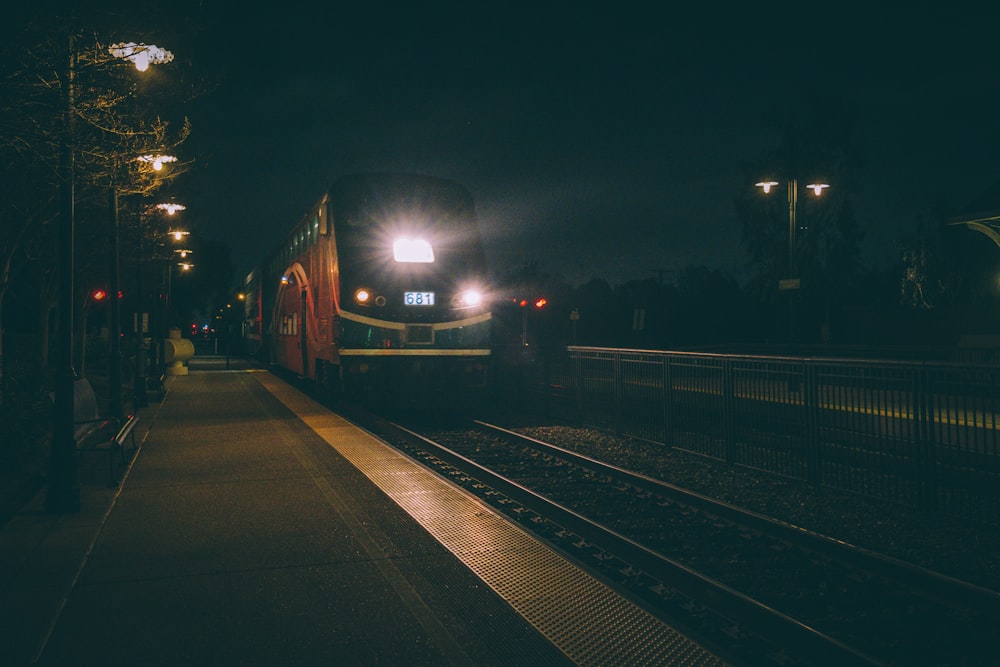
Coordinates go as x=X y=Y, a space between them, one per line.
x=362 y=296
x=412 y=250
x=470 y=298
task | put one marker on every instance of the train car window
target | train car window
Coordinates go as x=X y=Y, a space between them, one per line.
x=324 y=222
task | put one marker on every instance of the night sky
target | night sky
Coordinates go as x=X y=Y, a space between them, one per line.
x=598 y=141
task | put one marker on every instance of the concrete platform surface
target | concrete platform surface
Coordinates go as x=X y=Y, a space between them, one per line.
x=239 y=536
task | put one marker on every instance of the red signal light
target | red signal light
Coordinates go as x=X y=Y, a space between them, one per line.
x=99 y=295
x=541 y=302
x=523 y=303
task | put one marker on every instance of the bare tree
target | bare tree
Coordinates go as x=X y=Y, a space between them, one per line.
x=113 y=129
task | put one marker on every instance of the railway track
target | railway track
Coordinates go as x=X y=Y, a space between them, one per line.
x=752 y=588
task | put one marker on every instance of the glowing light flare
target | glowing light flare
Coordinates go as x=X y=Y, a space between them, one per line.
x=178 y=234
x=817 y=188
x=140 y=55
x=362 y=295
x=470 y=298
x=185 y=266
x=99 y=295
x=170 y=208
x=407 y=250
x=766 y=185
x=156 y=161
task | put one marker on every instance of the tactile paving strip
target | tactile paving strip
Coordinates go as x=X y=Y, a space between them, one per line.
x=585 y=619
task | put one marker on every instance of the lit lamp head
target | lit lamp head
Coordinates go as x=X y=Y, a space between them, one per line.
x=817 y=188
x=766 y=186
x=170 y=208
x=156 y=161
x=178 y=234
x=140 y=55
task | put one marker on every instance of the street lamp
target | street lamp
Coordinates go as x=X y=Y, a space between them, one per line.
x=171 y=208
x=63 y=493
x=140 y=55
x=163 y=311
x=115 y=366
x=793 y=198
x=184 y=265
x=792 y=281
x=156 y=161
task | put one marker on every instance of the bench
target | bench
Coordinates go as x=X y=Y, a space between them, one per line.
x=94 y=432
x=158 y=384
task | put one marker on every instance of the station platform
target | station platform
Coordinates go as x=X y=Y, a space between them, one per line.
x=255 y=527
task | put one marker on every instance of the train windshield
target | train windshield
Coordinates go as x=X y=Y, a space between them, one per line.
x=404 y=226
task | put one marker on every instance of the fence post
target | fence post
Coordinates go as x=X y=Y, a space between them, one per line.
x=811 y=405
x=668 y=403
x=728 y=411
x=924 y=431
x=618 y=393
x=578 y=384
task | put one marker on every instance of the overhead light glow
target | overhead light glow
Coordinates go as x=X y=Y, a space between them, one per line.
x=412 y=251
x=140 y=55
x=817 y=188
x=766 y=185
x=171 y=208
x=157 y=160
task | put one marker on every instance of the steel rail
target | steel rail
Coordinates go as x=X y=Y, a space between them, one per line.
x=792 y=635
x=933 y=583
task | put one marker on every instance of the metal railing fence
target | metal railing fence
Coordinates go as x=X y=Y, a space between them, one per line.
x=921 y=434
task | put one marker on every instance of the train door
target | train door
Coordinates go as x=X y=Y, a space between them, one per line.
x=287 y=326
x=292 y=325
x=303 y=329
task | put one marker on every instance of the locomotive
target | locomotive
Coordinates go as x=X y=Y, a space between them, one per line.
x=380 y=286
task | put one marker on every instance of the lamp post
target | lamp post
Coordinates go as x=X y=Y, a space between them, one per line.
x=792 y=281
x=158 y=311
x=156 y=161
x=114 y=326
x=63 y=492
x=793 y=200
x=185 y=265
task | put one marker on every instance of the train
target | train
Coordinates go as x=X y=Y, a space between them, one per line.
x=381 y=286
